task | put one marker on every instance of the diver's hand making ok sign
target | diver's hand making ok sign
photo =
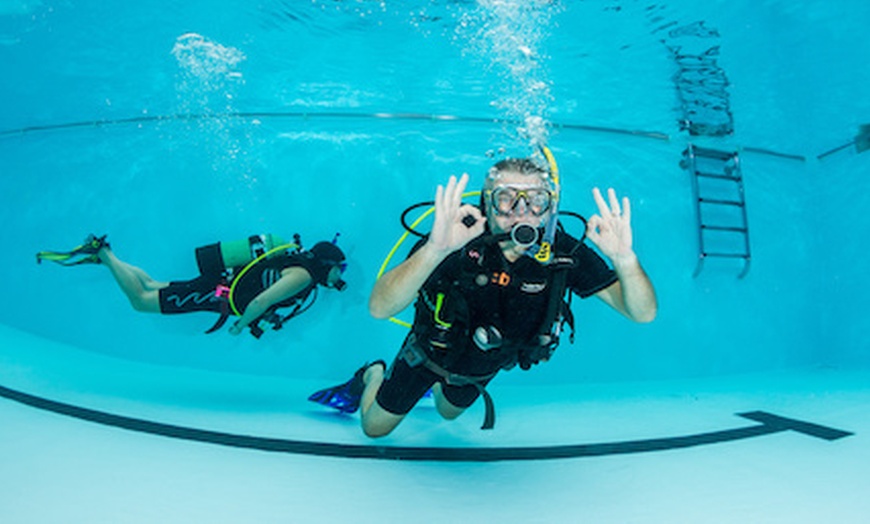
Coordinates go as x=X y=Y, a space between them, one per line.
x=397 y=288
x=610 y=229
x=450 y=231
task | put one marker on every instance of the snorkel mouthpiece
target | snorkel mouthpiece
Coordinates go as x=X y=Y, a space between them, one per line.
x=340 y=285
x=524 y=235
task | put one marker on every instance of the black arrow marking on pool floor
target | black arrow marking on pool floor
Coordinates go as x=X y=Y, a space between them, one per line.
x=768 y=424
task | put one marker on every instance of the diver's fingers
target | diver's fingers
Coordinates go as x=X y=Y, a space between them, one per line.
x=458 y=190
x=445 y=206
x=592 y=226
x=450 y=201
x=450 y=188
x=602 y=205
x=614 y=202
x=626 y=209
x=468 y=210
x=472 y=211
x=461 y=185
x=593 y=223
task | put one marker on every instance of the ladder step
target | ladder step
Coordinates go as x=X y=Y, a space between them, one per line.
x=722 y=177
x=723 y=202
x=727 y=255
x=725 y=228
x=713 y=153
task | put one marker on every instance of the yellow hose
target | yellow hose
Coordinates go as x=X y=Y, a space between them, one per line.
x=245 y=270
x=401 y=240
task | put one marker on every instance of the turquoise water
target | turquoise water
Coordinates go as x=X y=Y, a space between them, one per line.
x=161 y=187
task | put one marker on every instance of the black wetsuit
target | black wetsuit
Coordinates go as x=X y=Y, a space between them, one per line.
x=201 y=293
x=479 y=288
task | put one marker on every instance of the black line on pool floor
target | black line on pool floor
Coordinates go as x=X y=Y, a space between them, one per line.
x=768 y=424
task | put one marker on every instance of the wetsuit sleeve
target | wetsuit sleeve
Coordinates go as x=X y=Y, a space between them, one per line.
x=590 y=273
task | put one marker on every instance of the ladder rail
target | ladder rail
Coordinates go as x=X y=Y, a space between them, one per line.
x=742 y=191
x=696 y=190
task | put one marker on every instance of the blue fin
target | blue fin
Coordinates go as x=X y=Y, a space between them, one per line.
x=345 y=397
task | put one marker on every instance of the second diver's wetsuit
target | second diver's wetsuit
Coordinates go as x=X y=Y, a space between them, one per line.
x=202 y=293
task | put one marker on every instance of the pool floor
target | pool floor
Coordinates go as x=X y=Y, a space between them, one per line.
x=643 y=452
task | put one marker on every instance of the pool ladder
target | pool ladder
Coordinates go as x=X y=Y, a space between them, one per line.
x=720 y=205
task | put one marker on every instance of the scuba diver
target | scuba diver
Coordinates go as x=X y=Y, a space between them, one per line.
x=490 y=285
x=251 y=278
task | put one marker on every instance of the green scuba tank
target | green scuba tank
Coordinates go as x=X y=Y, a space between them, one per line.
x=240 y=252
x=218 y=257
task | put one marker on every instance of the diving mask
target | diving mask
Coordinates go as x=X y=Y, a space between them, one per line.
x=505 y=199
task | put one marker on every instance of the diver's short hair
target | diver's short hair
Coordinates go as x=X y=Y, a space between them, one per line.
x=523 y=166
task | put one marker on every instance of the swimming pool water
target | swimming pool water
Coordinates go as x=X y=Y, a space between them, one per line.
x=160 y=188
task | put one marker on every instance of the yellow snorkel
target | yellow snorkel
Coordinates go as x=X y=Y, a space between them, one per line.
x=545 y=252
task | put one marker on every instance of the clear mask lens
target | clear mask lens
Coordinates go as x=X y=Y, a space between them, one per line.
x=506 y=199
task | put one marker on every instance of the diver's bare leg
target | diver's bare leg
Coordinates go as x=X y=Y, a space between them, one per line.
x=376 y=421
x=444 y=407
x=141 y=290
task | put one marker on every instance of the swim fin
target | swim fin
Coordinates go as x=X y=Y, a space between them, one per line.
x=83 y=254
x=345 y=397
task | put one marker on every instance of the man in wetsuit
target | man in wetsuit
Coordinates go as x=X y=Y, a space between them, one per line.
x=483 y=303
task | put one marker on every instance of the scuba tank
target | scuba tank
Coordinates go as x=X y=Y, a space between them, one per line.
x=221 y=256
x=229 y=260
